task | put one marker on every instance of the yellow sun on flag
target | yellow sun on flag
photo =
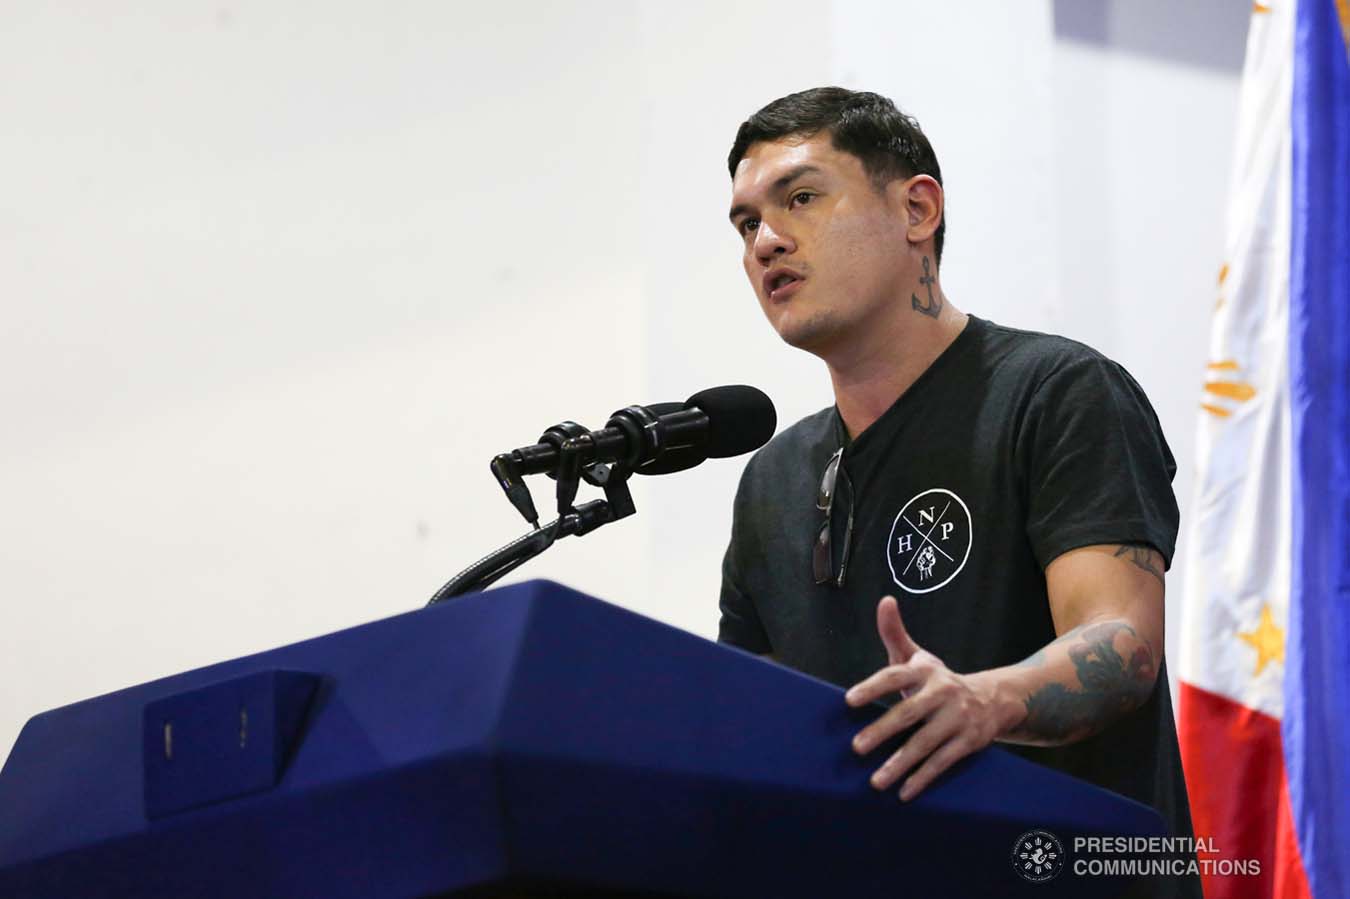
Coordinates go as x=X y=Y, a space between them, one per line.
x=1238 y=391
x=1267 y=640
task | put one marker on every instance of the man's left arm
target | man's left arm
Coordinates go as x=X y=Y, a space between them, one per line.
x=1107 y=606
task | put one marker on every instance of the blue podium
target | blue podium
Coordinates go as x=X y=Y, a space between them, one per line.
x=526 y=741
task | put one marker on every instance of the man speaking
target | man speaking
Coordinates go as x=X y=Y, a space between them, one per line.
x=976 y=532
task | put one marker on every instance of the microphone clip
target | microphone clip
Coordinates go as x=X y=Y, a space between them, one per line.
x=574 y=444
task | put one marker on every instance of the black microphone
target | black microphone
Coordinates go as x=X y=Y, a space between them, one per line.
x=658 y=439
x=740 y=419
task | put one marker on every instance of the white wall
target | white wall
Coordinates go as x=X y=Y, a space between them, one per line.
x=280 y=278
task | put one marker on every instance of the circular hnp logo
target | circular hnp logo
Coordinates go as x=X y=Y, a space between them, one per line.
x=930 y=541
x=1038 y=856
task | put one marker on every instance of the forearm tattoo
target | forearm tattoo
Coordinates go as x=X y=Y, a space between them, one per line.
x=934 y=307
x=1111 y=684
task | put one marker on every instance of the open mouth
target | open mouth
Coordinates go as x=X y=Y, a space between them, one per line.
x=779 y=285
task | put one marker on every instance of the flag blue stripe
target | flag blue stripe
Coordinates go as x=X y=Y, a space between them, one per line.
x=1316 y=723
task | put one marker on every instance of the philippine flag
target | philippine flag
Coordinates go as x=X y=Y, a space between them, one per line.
x=1264 y=716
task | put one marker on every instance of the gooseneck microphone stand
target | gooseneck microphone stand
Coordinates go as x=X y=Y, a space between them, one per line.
x=570 y=439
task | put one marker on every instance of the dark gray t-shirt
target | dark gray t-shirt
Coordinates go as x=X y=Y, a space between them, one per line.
x=1011 y=449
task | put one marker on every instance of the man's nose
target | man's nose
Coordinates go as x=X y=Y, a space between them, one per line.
x=770 y=243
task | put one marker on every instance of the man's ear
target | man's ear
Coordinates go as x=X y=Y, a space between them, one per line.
x=923 y=200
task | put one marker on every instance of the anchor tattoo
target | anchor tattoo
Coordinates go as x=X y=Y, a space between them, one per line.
x=934 y=307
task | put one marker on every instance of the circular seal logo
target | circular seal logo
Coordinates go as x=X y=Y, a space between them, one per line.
x=930 y=541
x=1038 y=856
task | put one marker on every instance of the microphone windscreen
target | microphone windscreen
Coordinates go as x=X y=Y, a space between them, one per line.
x=740 y=419
x=673 y=460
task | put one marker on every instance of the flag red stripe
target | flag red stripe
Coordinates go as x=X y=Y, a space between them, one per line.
x=1290 y=877
x=1234 y=763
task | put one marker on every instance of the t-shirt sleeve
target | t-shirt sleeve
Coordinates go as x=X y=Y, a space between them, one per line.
x=1098 y=469
x=740 y=624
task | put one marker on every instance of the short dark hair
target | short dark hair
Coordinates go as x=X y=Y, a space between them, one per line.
x=889 y=143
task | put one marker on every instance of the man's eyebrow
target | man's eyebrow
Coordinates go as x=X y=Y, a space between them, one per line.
x=789 y=176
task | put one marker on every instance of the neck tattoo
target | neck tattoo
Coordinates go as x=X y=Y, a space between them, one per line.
x=934 y=307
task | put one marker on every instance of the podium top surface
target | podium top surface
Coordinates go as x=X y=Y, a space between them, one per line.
x=530 y=731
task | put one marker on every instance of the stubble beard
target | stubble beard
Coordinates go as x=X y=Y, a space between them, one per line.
x=814 y=334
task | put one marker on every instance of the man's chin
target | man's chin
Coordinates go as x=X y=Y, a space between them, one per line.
x=813 y=336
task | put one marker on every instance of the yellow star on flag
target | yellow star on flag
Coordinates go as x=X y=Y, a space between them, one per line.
x=1267 y=640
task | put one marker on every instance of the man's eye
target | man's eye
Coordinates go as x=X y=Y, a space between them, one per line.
x=802 y=195
x=749 y=225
